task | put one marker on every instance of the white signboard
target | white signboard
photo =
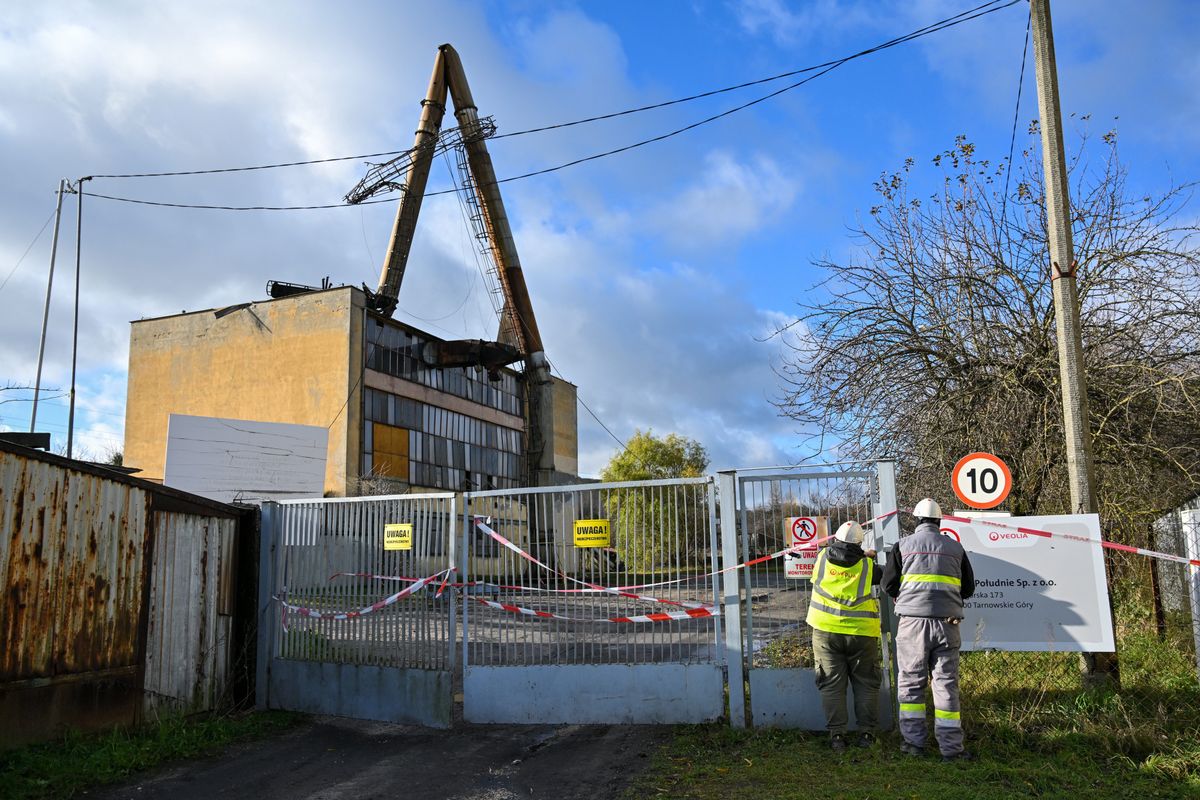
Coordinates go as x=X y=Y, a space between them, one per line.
x=234 y=460
x=1033 y=592
x=803 y=532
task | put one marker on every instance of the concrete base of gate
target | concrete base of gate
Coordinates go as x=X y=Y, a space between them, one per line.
x=594 y=693
x=387 y=694
x=788 y=698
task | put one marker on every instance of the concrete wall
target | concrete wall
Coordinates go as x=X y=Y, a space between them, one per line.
x=292 y=360
x=566 y=427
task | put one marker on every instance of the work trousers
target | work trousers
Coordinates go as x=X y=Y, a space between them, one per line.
x=843 y=658
x=926 y=647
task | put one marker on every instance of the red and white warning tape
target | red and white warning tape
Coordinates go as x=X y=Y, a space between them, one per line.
x=538 y=589
x=481 y=524
x=314 y=613
x=663 y=616
x=692 y=610
x=1075 y=538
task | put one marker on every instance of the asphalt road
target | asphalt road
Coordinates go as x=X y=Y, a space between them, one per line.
x=329 y=758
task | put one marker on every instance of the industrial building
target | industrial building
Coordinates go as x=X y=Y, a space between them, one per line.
x=323 y=358
x=404 y=409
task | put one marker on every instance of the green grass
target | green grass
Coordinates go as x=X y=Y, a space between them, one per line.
x=711 y=762
x=1038 y=732
x=77 y=762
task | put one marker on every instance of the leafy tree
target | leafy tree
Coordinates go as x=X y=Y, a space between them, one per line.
x=938 y=338
x=658 y=528
x=647 y=457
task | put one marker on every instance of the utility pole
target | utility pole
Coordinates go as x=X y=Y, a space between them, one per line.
x=75 y=327
x=1072 y=369
x=37 y=384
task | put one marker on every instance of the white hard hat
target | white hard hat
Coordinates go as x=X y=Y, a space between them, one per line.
x=928 y=509
x=850 y=532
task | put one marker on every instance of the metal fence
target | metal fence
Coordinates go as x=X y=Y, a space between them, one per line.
x=772 y=513
x=638 y=623
x=661 y=532
x=118 y=597
x=776 y=634
x=332 y=557
x=621 y=627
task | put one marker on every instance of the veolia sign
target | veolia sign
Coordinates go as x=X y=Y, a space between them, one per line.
x=1033 y=592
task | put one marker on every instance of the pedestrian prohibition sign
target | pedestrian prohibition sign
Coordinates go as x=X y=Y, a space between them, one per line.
x=981 y=480
x=803 y=532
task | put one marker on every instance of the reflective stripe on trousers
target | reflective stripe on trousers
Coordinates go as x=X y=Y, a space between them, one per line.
x=927 y=653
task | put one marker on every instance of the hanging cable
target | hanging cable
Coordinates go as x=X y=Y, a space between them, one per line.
x=20 y=260
x=1012 y=142
x=819 y=70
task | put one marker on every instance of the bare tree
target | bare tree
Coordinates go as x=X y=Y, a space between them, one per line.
x=938 y=338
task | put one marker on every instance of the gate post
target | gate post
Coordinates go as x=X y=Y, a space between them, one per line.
x=453 y=577
x=732 y=590
x=265 y=636
x=1189 y=520
x=886 y=473
x=887 y=501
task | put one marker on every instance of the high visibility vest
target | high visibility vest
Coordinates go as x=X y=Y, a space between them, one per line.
x=841 y=599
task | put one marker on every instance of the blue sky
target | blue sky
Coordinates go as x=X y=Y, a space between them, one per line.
x=656 y=275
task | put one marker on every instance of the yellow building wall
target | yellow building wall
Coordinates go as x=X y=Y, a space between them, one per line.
x=566 y=426
x=295 y=360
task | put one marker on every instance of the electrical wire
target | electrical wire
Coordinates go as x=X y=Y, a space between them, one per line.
x=1012 y=142
x=12 y=271
x=949 y=22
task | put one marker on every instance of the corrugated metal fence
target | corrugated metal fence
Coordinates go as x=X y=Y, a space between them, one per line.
x=117 y=596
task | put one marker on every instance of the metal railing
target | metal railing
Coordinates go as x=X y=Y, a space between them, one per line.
x=322 y=538
x=658 y=532
x=775 y=604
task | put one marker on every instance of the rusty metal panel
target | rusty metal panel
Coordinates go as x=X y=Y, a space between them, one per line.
x=100 y=596
x=83 y=555
x=29 y=572
x=70 y=554
x=187 y=653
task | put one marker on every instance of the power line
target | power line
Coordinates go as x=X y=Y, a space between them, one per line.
x=933 y=28
x=820 y=70
x=243 y=208
x=1012 y=142
x=617 y=439
x=12 y=271
x=249 y=169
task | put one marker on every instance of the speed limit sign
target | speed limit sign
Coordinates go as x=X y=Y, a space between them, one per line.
x=981 y=480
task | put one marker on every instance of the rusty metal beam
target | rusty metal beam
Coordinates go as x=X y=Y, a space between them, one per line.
x=433 y=108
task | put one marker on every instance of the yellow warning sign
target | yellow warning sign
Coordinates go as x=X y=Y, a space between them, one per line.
x=592 y=533
x=398 y=536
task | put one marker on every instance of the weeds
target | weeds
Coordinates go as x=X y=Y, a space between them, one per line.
x=77 y=761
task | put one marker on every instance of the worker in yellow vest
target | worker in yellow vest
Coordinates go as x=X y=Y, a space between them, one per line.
x=845 y=620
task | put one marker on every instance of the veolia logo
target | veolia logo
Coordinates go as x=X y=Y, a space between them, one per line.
x=1009 y=539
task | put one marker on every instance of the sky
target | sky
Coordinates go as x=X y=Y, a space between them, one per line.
x=657 y=275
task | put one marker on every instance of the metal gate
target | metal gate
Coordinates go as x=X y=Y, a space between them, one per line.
x=350 y=619
x=592 y=604
x=768 y=628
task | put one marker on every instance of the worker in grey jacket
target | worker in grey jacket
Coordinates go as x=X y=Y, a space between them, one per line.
x=929 y=575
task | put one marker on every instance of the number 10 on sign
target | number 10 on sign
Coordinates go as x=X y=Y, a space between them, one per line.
x=981 y=480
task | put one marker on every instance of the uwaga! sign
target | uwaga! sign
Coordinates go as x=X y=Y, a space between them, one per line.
x=1033 y=592
x=593 y=533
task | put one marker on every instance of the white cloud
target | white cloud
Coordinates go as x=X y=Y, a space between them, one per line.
x=730 y=200
x=790 y=23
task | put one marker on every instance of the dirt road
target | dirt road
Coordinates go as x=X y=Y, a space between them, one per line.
x=327 y=758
